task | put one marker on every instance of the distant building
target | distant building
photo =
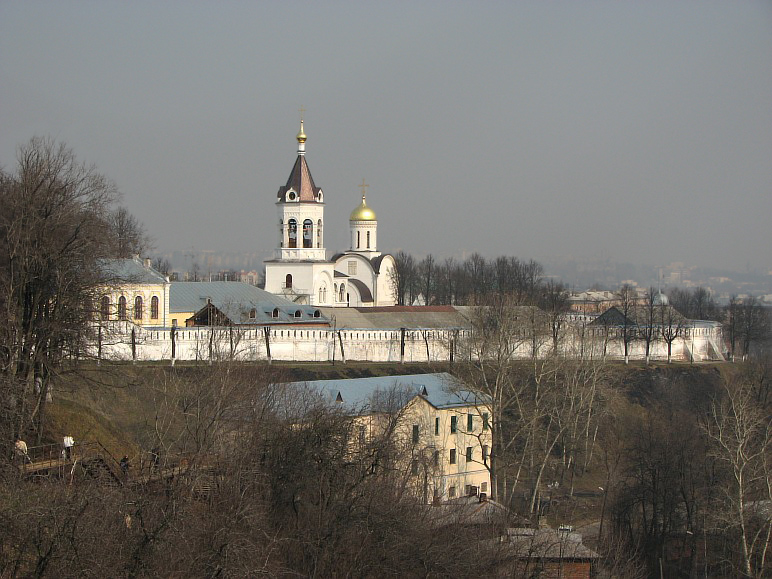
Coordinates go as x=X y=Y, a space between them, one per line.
x=442 y=428
x=135 y=292
x=301 y=272
x=225 y=303
x=546 y=553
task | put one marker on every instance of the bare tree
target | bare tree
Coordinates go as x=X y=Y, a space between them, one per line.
x=740 y=431
x=53 y=224
x=648 y=328
x=403 y=278
x=752 y=324
x=162 y=264
x=427 y=273
x=628 y=330
x=128 y=234
x=554 y=302
x=672 y=326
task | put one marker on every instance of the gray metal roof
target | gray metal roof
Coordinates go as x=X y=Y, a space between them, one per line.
x=237 y=300
x=394 y=317
x=366 y=395
x=130 y=270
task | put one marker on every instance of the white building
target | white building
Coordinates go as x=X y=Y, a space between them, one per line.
x=301 y=271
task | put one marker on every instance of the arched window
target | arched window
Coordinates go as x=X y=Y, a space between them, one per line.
x=319 y=233
x=275 y=313
x=122 y=308
x=138 y=308
x=342 y=292
x=368 y=240
x=317 y=314
x=358 y=244
x=154 y=308
x=281 y=232
x=252 y=314
x=308 y=233
x=298 y=313
x=288 y=281
x=104 y=307
x=292 y=231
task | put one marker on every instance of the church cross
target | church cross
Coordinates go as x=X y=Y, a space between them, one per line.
x=364 y=187
x=301 y=111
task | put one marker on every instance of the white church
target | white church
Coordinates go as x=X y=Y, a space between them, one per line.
x=300 y=270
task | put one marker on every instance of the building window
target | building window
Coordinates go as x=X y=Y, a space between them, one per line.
x=453 y=424
x=319 y=233
x=252 y=314
x=174 y=322
x=275 y=313
x=485 y=453
x=352 y=267
x=469 y=453
x=308 y=233
x=485 y=421
x=297 y=313
x=452 y=456
x=368 y=240
x=292 y=232
x=104 y=308
x=358 y=240
x=122 y=308
x=484 y=487
x=342 y=296
x=452 y=492
x=436 y=458
x=154 y=308
x=470 y=422
x=416 y=434
x=437 y=426
x=138 y=308
x=317 y=314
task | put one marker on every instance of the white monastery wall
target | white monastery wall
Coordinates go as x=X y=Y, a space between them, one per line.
x=123 y=341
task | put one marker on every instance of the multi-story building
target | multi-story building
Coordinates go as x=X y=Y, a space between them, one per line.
x=441 y=429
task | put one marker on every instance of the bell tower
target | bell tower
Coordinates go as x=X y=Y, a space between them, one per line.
x=300 y=205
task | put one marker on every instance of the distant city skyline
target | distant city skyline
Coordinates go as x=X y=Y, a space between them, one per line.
x=634 y=132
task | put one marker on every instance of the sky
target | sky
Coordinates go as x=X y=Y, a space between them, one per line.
x=638 y=132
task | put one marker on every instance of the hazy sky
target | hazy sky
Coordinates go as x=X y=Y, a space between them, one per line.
x=636 y=131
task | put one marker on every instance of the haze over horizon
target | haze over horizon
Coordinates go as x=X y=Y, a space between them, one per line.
x=637 y=132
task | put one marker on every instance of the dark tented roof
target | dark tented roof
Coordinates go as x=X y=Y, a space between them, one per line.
x=301 y=181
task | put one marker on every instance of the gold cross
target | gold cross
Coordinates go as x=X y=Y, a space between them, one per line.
x=364 y=187
x=301 y=111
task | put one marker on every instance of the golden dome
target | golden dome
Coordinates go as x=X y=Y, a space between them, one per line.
x=362 y=213
x=301 y=135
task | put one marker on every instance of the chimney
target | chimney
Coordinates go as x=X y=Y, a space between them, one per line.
x=147 y=262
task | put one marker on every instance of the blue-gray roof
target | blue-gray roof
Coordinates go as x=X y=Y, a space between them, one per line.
x=237 y=300
x=130 y=270
x=366 y=395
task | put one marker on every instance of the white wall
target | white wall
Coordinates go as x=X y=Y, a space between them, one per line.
x=310 y=344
